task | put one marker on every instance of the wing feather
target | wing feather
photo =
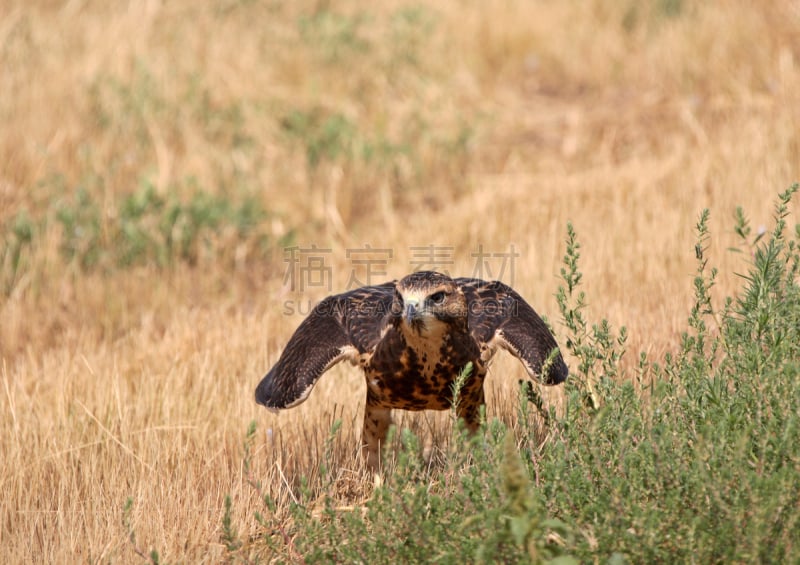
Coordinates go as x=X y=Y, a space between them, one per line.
x=500 y=317
x=342 y=326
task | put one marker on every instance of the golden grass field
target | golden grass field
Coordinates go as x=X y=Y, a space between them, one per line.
x=626 y=118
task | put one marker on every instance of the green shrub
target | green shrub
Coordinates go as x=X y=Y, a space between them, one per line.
x=482 y=509
x=150 y=227
x=145 y=227
x=705 y=467
x=15 y=250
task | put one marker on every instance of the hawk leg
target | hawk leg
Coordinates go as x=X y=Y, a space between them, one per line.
x=376 y=423
x=469 y=409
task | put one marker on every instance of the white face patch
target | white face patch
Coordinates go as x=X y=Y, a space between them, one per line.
x=413 y=298
x=426 y=325
x=416 y=299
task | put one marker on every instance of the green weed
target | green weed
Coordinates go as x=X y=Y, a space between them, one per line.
x=150 y=227
x=151 y=557
x=146 y=227
x=597 y=350
x=326 y=137
x=705 y=470
x=15 y=250
x=653 y=13
x=484 y=512
x=332 y=35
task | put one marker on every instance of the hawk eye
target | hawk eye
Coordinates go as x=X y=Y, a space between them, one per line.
x=437 y=297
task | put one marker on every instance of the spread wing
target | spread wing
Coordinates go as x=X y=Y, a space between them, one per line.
x=343 y=326
x=500 y=317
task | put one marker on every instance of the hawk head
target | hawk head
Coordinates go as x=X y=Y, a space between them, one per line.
x=427 y=302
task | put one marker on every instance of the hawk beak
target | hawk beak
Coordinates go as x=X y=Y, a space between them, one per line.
x=412 y=312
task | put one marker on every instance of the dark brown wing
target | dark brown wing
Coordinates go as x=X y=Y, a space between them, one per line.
x=499 y=317
x=343 y=326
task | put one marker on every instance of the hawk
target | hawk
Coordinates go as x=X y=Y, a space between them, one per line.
x=412 y=338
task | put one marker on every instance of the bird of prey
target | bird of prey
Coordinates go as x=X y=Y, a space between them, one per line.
x=412 y=338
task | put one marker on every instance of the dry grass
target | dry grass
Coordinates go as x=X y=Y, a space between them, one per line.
x=618 y=116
